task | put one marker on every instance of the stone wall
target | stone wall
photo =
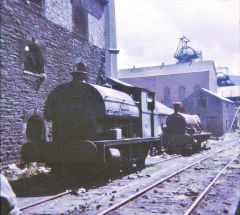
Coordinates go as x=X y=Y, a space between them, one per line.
x=82 y=17
x=23 y=94
x=59 y=12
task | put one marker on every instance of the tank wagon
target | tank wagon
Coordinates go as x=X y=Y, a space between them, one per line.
x=94 y=124
x=183 y=133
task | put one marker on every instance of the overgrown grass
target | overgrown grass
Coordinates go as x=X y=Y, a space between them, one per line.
x=32 y=176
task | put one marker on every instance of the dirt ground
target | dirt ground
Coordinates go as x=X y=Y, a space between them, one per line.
x=178 y=193
x=104 y=193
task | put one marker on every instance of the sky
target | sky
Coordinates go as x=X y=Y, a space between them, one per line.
x=148 y=31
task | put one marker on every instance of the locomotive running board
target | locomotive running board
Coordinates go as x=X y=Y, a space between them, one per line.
x=103 y=144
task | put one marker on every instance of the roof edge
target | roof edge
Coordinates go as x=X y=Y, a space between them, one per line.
x=216 y=95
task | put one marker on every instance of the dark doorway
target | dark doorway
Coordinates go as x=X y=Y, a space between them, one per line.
x=36 y=131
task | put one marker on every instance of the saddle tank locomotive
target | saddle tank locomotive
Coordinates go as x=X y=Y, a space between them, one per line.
x=183 y=134
x=94 y=124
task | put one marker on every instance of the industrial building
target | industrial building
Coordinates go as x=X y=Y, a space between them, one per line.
x=177 y=81
x=216 y=112
x=191 y=81
x=184 y=82
x=172 y=82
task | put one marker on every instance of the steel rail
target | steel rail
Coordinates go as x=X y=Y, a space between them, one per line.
x=132 y=197
x=139 y=193
x=199 y=198
x=167 y=159
x=45 y=200
x=69 y=192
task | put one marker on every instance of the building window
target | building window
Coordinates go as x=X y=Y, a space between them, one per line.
x=167 y=96
x=33 y=59
x=80 y=19
x=181 y=93
x=202 y=101
x=197 y=88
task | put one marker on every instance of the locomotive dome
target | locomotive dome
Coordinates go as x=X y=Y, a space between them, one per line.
x=78 y=97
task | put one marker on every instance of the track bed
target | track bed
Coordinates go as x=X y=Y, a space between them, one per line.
x=107 y=192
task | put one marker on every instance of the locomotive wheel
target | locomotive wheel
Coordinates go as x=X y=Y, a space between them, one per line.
x=141 y=154
x=140 y=163
x=196 y=146
x=78 y=171
x=127 y=165
x=156 y=148
x=127 y=161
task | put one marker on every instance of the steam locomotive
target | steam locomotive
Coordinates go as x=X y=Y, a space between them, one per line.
x=183 y=134
x=93 y=125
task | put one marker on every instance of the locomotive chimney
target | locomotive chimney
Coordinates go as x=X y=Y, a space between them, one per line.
x=176 y=107
x=79 y=76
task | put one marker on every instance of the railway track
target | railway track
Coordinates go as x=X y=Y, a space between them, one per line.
x=47 y=199
x=204 y=193
x=122 y=190
x=44 y=200
x=132 y=200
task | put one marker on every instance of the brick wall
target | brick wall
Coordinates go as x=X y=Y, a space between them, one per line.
x=23 y=95
x=158 y=83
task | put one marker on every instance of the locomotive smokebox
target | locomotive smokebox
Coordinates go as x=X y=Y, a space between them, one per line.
x=83 y=151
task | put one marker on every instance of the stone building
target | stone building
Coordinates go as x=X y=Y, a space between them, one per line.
x=216 y=112
x=173 y=82
x=42 y=41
